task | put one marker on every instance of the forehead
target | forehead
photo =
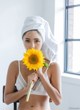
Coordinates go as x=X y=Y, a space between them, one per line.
x=32 y=34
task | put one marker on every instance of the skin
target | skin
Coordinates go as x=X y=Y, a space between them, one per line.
x=32 y=39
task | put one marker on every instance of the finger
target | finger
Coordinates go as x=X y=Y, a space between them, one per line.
x=40 y=70
x=33 y=80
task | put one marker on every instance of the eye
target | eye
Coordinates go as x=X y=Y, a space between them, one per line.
x=37 y=40
x=27 y=40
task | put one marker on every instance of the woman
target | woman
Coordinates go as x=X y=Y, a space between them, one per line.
x=36 y=34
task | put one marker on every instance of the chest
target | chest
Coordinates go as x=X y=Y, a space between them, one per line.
x=25 y=72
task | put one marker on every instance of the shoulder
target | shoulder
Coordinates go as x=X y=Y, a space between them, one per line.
x=14 y=64
x=54 y=65
x=54 y=68
x=13 y=67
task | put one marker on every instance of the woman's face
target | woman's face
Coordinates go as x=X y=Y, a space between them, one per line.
x=32 y=39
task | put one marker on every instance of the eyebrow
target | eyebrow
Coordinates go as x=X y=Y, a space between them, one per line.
x=34 y=38
x=27 y=38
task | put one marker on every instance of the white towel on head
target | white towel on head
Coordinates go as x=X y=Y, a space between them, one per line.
x=34 y=22
x=49 y=46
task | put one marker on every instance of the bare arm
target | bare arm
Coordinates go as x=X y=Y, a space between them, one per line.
x=11 y=96
x=53 y=89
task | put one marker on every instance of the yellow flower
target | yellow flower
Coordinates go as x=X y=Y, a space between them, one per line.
x=33 y=59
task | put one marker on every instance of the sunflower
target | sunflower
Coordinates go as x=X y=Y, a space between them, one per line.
x=33 y=59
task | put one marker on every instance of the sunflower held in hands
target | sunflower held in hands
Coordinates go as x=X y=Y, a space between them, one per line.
x=34 y=59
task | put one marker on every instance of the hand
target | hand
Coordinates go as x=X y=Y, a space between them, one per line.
x=31 y=80
x=32 y=77
x=39 y=72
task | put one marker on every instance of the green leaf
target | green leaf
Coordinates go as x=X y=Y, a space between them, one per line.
x=46 y=65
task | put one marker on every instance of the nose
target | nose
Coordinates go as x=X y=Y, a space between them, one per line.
x=32 y=45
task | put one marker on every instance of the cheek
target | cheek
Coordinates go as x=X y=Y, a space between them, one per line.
x=41 y=43
x=39 y=46
x=25 y=44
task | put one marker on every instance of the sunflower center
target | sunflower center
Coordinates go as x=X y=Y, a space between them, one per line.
x=33 y=59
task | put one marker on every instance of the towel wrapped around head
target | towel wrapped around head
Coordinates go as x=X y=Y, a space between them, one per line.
x=49 y=46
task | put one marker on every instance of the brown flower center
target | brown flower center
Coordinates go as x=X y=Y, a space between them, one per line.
x=33 y=59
